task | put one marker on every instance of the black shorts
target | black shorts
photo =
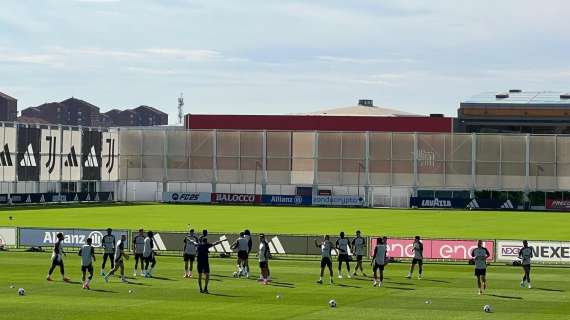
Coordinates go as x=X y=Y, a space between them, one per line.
x=55 y=262
x=526 y=266
x=203 y=267
x=263 y=264
x=418 y=261
x=359 y=257
x=326 y=262
x=242 y=254
x=139 y=256
x=189 y=257
x=378 y=267
x=88 y=268
x=343 y=257
x=480 y=272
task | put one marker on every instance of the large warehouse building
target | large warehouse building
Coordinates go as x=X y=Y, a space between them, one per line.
x=385 y=156
x=362 y=117
x=516 y=111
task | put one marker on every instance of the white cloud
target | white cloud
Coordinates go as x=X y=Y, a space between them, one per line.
x=337 y=59
x=186 y=54
x=40 y=59
x=97 y=1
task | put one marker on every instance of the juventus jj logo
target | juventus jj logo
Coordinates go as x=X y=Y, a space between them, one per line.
x=111 y=160
x=91 y=158
x=50 y=164
x=71 y=158
x=28 y=159
x=5 y=157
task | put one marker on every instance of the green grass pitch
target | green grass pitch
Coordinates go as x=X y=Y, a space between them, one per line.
x=449 y=287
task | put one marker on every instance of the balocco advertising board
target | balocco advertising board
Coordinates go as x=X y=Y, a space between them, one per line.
x=72 y=237
x=435 y=248
x=235 y=198
x=186 y=197
x=542 y=251
x=7 y=237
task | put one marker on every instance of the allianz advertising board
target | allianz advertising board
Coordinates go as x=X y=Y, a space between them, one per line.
x=72 y=237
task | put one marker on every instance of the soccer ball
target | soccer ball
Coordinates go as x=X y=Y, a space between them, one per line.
x=235 y=274
x=332 y=303
x=21 y=292
x=487 y=308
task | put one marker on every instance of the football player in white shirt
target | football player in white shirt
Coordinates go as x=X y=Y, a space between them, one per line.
x=247 y=234
x=149 y=254
x=119 y=255
x=263 y=255
x=418 y=259
x=359 y=245
x=480 y=255
x=525 y=254
x=190 y=243
x=108 y=244
x=242 y=246
x=343 y=246
x=326 y=249
x=138 y=248
x=57 y=259
x=87 y=254
x=379 y=261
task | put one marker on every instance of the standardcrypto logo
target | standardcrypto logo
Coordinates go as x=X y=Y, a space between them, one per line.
x=175 y=196
x=96 y=238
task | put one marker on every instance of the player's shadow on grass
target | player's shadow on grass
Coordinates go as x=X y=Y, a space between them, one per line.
x=162 y=278
x=103 y=291
x=223 y=295
x=398 y=288
x=73 y=282
x=549 y=290
x=505 y=297
x=403 y=283
x=347 y=286
x=138 y=284
x=282 y=285
x=435 y=280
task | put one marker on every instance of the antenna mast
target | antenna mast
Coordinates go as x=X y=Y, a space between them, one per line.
x=180 y=109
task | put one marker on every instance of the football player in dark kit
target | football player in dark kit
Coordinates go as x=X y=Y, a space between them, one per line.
x=203 y=266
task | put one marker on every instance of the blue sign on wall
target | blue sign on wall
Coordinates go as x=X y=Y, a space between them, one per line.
x=286 y=200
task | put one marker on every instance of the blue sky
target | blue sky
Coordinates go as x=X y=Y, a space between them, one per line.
x=264 y=56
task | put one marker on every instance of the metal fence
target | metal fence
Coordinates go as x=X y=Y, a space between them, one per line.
x=261 y=160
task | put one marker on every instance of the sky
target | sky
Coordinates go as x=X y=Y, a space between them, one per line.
x=277 y=57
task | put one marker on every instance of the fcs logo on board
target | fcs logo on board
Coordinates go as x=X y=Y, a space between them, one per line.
x=5 y=157
x=28 y=159
x=91 y=159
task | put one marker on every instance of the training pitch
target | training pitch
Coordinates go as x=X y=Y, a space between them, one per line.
x=448 y=291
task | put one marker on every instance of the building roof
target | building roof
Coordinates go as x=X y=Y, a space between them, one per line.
x=319 y=122
x=82 y=102
x=149 y=109
x=7 y=97
x=360 y=110
x=26 y=119
x=520 y=97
